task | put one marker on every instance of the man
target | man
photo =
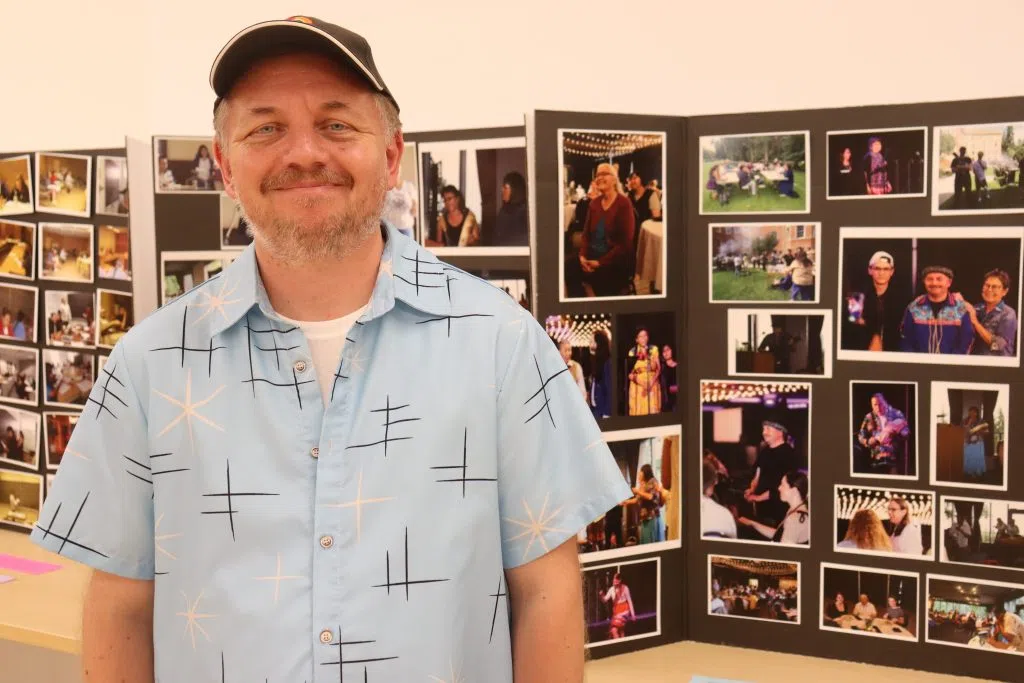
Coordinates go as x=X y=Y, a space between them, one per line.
x=777 y=457
x=1009 y=631
x=882 y=313
x=715 y=519
x=980 y=170
x=961 y=169
x=865 y=609
x=937 y=321
x=883 y=433
x=895 y=613
x=780 y=344
x=340 y=458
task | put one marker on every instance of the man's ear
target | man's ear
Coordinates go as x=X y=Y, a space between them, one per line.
x=394 y=152
x=220 y=155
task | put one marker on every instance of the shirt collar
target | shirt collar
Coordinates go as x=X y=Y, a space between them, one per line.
x=408 y=273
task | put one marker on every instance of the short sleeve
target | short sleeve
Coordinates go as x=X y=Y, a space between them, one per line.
x=556 y=474
x=99 y=509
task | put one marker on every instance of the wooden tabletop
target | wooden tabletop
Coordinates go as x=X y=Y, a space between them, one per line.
x=43 y=610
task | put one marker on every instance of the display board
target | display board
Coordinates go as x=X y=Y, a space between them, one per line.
x=65 y=300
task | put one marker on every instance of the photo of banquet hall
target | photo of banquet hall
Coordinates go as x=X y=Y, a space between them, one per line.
x=756 y=477
x=19 y=374
x=754 y=589
x=18 y=305
x=970 y=431
x=69 y=377
x=17 y=249
x=19 y=437
x=117 y=316
x=885 y=521
x=612 y=248
x=868 y=602
x=961 y=612
x=16 y=186
x=756 y=262
x=65 y=252
x=70 y=318
x=113 y=261
x=59 y=427
x=585 y=342
x=64 y=184
x=986 y=533
x=775 y=342
x=21 y=494
x=648 y=370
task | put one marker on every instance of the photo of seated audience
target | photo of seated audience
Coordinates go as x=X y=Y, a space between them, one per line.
x=19 y=438
x=970 y=431
x=756 y=476
x=59 y=427
x=70 y=318
x=977 y=169
x=986 y=533
x=16 y=195
x=113 y=262
x=19 y=375
x=650 y=466
x=882 y=604
x=585 y=342
x=474 y=194
x=946 y=296
x=648 y=371
x=613 y=210
x=18 y=250
x=18 y=305
x=64 y=184
x=754 y=589
x=69 y=377
x=117 y=316
x=234 y=230
x=749 y=174
x=21 y=495
x=402 y=203
x=885 y=521
x=112 y=186
x=757 y=262
x=180 y=271
x=622 y=601
x=777 y=342
x=515 y=283
x=982 y=615
x=186 y=165
x=883 y=423
x=65 y=252
x=868 y=164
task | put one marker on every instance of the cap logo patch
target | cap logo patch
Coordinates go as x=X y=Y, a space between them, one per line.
x=304 y=20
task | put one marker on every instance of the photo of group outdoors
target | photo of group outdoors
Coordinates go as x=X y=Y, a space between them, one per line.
x=780 y=342
x=473 y=196
x=984 y=533
x=19 y=438
x=753 y=263
x=648 y=370
x=613 y=214
x=977 y=169
x=884 y=521
x=402 y=203
x=21 y=496
x=970 y=613
x=112 y=186
x=754 y=589
x=884 y=427
x=18 y=250
x=185 y=165
x=650 y=463
x=69 y=376
x=180 y=271
x=16 y=197
x=945 y=296
x=18 y=306
x=59 y=427
x=758 y=173
x=64 y=184
x=622 y=601
x=70 y=318
x=970 y=435
x=869 y=164
x=65 y=252
x=585 y=342
x=117 y=316
x=19 y=375
x=113 y=260
x=756 y=462
x=234 y=229
x=882 y=604
x=515 y=283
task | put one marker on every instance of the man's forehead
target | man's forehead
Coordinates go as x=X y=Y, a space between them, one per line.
x=287 y=73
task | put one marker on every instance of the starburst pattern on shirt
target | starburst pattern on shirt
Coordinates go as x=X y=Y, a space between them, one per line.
x=190 y=410
x=157 y=537
x=192 y=618
x=215 y=302
x=456 y=677
x=536 y=526
x=358 y=504
x=277 y=578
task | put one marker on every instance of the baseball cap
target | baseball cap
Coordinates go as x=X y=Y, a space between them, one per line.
x=882 y=255
x=298 y=32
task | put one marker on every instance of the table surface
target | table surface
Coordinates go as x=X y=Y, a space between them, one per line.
x=43 y=610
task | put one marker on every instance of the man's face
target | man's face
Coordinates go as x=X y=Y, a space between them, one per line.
x=863 y=599
x=937 y=285
x=304 y=153
x=506 y=192
x=876 y=407
x=881 y=272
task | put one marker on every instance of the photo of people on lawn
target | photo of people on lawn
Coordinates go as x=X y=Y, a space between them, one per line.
x=756 y=262
x=766 y=173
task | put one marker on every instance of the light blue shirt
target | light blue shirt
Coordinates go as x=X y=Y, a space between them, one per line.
x=367 y=541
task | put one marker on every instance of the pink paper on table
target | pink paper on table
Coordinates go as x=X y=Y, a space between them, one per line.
x=25 y=565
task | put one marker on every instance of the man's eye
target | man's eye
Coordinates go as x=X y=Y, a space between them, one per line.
x=336 y=127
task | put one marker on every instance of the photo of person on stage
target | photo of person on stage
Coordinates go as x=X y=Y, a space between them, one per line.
x=886 y=162
x=883 y=420
x=645 y=388
x=778 y=342
x=970 y=435
x=622 y=601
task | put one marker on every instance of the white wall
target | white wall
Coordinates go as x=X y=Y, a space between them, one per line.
x=87 y=73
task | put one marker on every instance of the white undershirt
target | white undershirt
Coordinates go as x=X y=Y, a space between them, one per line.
x=326 y=339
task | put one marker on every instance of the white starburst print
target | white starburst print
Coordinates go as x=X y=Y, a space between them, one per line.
x=535 y=526
x=189 y=410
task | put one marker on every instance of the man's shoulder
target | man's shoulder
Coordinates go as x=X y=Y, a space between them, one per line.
x=474 y=295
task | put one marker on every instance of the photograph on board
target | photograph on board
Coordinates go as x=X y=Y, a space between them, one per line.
x=753 y=263
x=17 y=250
x=16 y=196
x=19 y=304
x=65 y=252
x=114 y=257
x=970 y=434
x=515 y=283
x=976 y=169
x=868 y=602
x=401 y=203
x=70 y=318
x=185 y=165
x=873 y=164
x=648 y=370
x=777 y=341
x=756 y=173
x=59 y=427
x=755 y=480
x=622 y=601
x=69 y=376
x=650 y=463
x=883 y=521
x=19 y=375
x=473 y=196
x=64 y=184
x=117 y=316
x=585 y=342
x=946 y=296
x=180 y=271
x=21 y=496
x=613 y=214
x=764 y=590
x=112 y=186
x=981 y=615
x=985 y=533
x=883 y=422
x=234 y=229
x=19 y=438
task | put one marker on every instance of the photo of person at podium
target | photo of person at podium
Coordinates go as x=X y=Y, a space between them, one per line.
x=883 y=420
x=776 y=342
x=969 y=439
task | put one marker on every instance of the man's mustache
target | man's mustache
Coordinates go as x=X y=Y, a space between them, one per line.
x=293 y=176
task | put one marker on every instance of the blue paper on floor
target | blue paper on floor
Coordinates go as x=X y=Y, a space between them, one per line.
x=6 y=579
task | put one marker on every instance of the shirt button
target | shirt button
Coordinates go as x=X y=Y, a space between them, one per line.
x=326 y=636
x=300 y=366
x=326 y=542
x=315 y=451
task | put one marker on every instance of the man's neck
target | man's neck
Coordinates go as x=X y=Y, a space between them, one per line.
x=940 y=300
